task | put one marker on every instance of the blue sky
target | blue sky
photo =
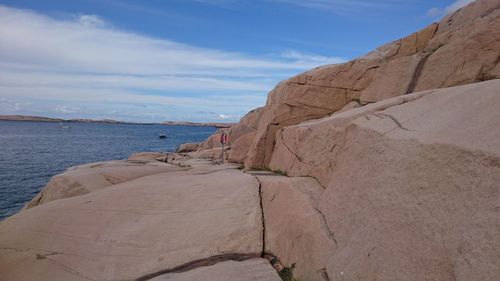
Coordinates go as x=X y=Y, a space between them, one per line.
x=193 y=60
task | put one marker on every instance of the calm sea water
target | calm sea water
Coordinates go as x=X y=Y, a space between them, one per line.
x=32 y=152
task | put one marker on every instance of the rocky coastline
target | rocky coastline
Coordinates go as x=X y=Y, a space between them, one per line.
x=109 y=121
x=383 y=168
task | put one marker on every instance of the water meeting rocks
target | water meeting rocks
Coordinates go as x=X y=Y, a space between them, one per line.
x=95 y=176
x=385 y=168
x=140 y=228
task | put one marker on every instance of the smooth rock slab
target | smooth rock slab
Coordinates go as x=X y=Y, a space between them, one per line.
x=296 y=231
x=88 y=178
x=412 y=186
x=248 y=270
x=135 y=228
x=147 y=156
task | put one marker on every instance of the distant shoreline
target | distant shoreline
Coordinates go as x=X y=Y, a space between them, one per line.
x=108 y=121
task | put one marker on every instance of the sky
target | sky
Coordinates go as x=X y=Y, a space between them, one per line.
x=182 y=60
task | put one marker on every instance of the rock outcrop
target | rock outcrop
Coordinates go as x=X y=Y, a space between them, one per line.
x=411 y=189
x=88 y=178
x=141 y=229
x=462 y=48
x=383 y=168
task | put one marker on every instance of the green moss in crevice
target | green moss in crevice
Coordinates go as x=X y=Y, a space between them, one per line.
x=286 y=274
x=280 y=172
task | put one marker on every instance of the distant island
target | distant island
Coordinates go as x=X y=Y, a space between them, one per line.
x=48 y=119
x=107 y=121
x=213 y=124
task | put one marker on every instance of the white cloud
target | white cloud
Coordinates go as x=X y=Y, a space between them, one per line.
x=226 y=117
x=437 y=12
x=457 y=5
x=91 y=21
x=67 y=109
x=312 y=60
x=434 y=12
x=89 y=59
x=18 y=106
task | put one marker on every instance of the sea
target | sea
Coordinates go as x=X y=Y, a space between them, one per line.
x=32 y=152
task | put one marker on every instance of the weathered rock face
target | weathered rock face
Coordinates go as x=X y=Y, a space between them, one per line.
x=411 y=187
x=243 y=134
x=240 y=147
x=247 y=124
x=140 y=228
x=463 y=48
x=88 y=178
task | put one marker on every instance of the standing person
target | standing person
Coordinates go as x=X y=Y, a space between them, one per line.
x=223 y=140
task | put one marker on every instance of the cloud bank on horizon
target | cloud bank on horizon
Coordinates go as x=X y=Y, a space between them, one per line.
x=86 y=67
x=83 y=65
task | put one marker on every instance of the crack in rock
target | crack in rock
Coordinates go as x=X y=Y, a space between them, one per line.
x=199 y=263
x=263 y=218
x=324 y=274
x=325 y=224
x=65 y=267
x=399 y=124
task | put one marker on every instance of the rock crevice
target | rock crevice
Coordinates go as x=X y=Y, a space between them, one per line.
x=199 y=263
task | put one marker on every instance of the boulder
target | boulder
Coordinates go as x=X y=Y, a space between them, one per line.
x=411 y=186
x=88 y=178
x=188 y=147
x=136 y=229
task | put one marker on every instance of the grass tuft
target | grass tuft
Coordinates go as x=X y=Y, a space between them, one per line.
x=286 y=274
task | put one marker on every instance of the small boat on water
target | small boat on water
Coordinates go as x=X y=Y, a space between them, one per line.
x=62 y=126
x=163 y=136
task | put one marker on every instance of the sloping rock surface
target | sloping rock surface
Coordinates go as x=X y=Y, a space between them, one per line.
x=249 y=270
x=147 y=156
x=87 y=178
x=137 y=228
x=411 y=187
